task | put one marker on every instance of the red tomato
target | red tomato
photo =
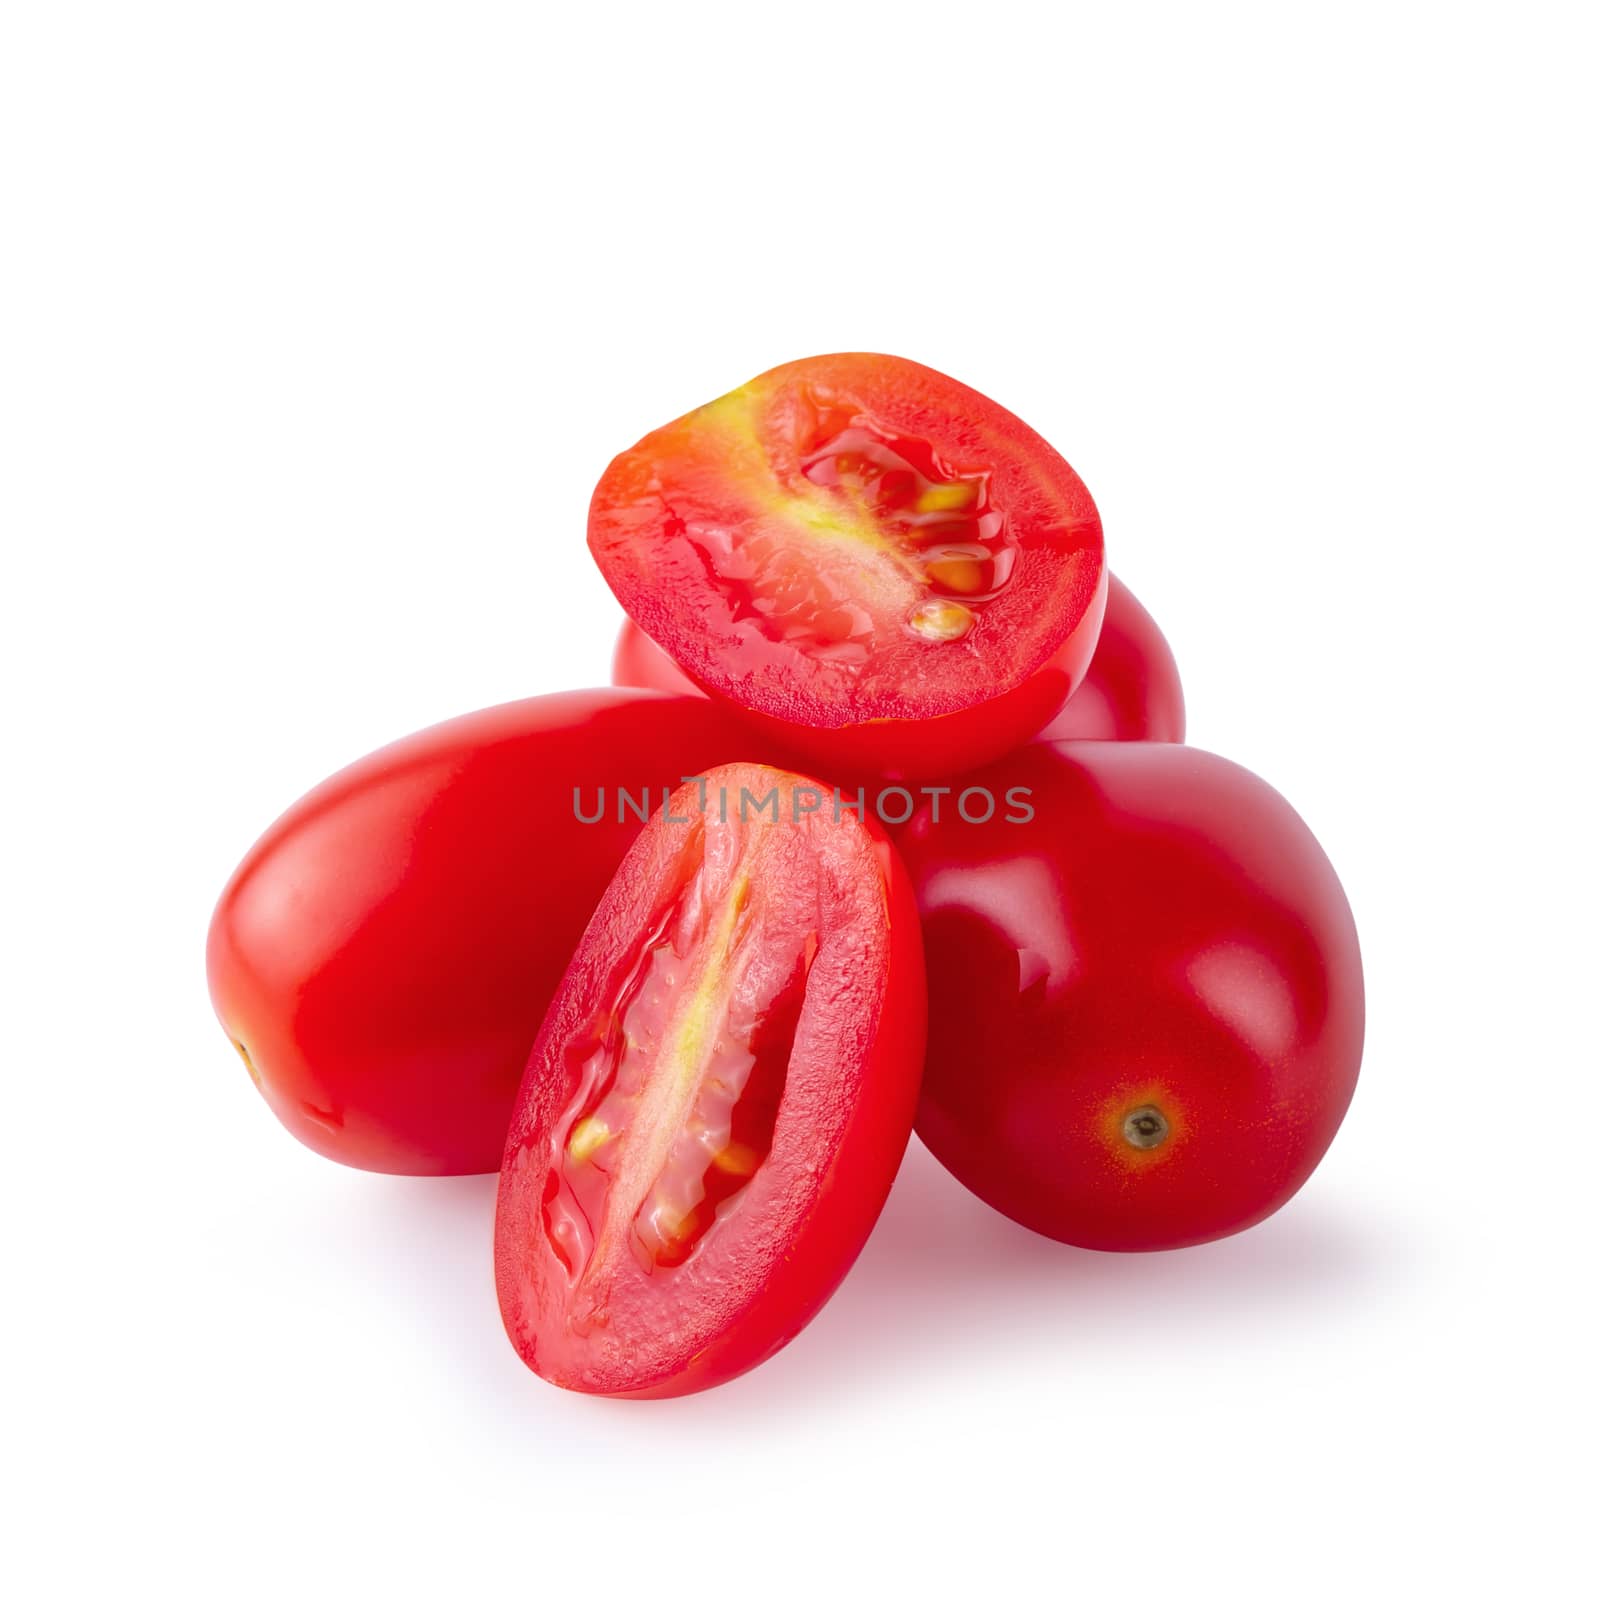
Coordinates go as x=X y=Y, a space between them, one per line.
x=383 y=956
x=1131 y=690
x=640 y=663
x=1146 y=1004
x=720 y=1095
x=887 y=570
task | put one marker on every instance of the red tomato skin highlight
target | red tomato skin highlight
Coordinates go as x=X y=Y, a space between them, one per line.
x=1131 y=689
x=817 y=1239
x=941 y=707
x=384 y=953
x=1164 y=933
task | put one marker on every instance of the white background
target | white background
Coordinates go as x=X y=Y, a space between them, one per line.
x=319 y=323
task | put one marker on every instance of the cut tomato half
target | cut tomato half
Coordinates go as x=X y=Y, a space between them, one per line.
x=1131 y=690
x=893 y=568
x=720 y=1095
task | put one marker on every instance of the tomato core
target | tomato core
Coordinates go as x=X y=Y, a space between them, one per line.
x=868 y=529
x=1145 y=1128
x=679 y=1083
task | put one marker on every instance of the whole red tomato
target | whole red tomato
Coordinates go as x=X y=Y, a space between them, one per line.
x=1145 y=1000
x=1131 y=690
x=720 y=1094
x=886 y=571
x=640 y=663
x=383 y=956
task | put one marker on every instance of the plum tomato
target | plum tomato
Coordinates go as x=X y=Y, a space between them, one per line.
x=1146 y=1004
x=383 y=955
x=1131 y=690
x=638 y=662
x=720 y=1095
x=888 y=571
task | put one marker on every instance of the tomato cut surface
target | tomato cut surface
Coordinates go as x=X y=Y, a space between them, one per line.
x=720 y=1095
x=851 y=542
x=1131 y=690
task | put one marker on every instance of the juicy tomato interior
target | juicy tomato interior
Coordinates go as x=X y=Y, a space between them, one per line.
x=678 y=1086
x=876 y=533
x=850 y=538
x=695 y=1085
x=1131 y=691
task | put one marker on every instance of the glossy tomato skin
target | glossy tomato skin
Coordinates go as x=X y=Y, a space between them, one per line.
x=1163 y=936
x=886 y=702
x=771 y=1263
x=1130 y=691
x=383 y=955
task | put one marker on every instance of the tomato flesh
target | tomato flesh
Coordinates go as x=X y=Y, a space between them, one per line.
x=661 y=1135
x=719 y=1097
x=925 y=540
x=850 y=543
x=1131 y=690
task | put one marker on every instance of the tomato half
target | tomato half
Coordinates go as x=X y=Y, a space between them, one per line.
x=720 y=1095
x=384 y=954
x=1146 y=1003
x=1131 y=690
x=890 y=571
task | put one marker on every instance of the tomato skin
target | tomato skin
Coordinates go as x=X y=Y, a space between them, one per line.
x=639 y=662
x=1164 y=932
x=1130 y=691
x=386 y=950
x=840 y=1137
x=886 y=708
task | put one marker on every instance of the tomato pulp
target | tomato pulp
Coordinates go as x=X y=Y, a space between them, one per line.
x=719 y=1097
x=889 y=571
x=1131 y=690
x=1146 y=1003
x=384 y=954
